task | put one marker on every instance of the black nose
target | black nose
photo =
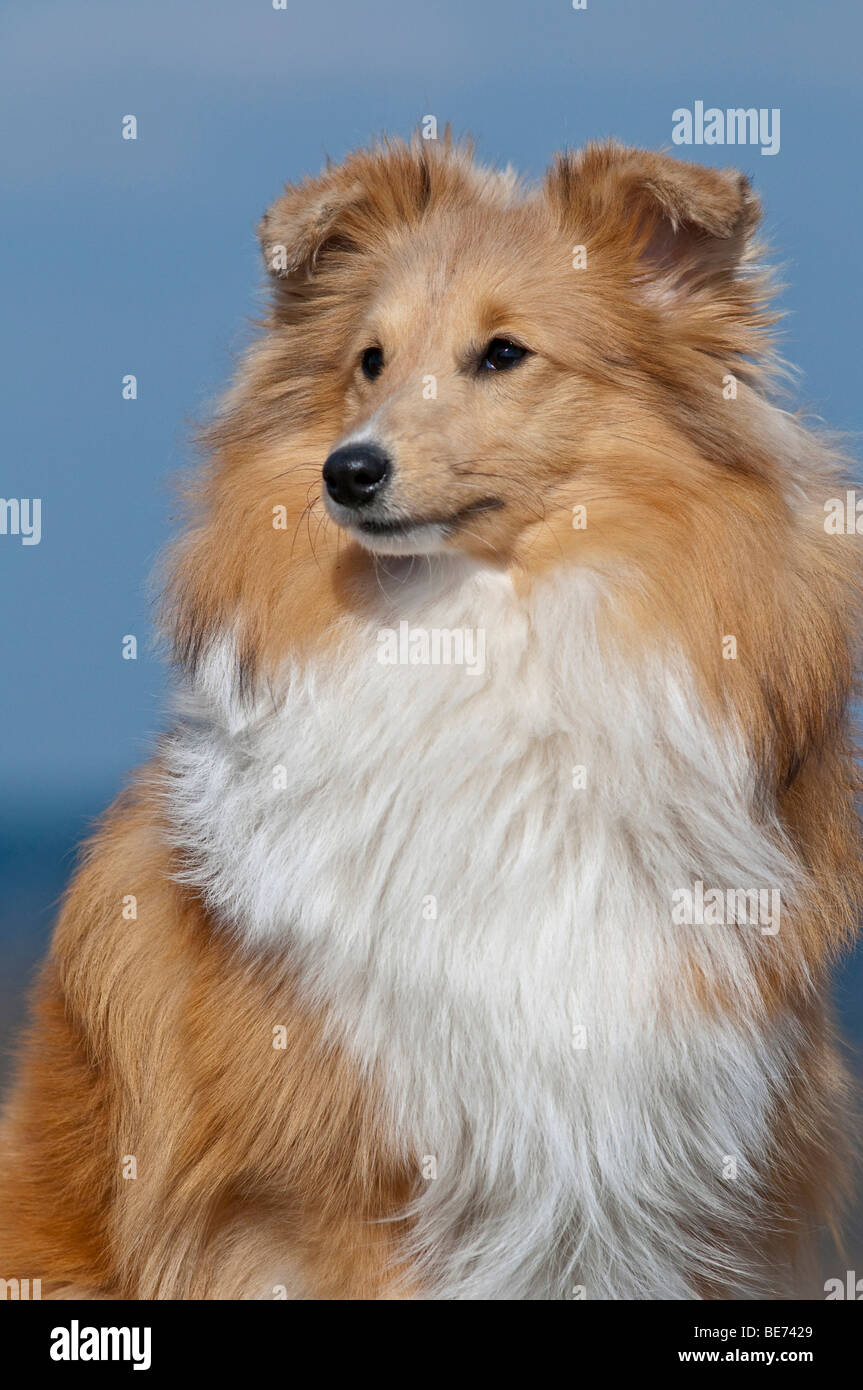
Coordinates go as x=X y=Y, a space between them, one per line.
x=355 y=472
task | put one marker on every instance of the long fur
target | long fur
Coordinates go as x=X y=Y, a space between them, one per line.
x=405 y=1010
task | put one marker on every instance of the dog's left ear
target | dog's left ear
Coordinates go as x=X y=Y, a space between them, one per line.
x=668 y=223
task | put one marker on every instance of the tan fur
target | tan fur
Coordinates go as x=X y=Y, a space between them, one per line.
x=154 y=1037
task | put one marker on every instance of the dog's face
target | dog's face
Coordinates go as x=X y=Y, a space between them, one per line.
x=547 y=380
x=489 y=356
x=461 y=402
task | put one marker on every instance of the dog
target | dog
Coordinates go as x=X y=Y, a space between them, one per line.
x=470 y=934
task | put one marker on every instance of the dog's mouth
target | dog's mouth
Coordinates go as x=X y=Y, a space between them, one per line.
x=415 y=533
x=449 y=523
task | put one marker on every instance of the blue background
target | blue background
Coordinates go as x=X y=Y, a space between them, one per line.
x=140 y=257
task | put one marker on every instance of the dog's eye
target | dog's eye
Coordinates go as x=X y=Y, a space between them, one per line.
x=372 y=362
x=501 y=354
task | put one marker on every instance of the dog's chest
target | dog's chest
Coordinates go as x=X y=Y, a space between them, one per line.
x=476 y=869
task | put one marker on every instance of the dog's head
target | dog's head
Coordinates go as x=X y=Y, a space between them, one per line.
x=566 y=377
x=492 y=360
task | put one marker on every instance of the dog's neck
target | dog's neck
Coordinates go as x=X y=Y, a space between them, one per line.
x=476 y=870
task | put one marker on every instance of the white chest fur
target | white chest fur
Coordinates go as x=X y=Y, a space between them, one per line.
x=492 y=929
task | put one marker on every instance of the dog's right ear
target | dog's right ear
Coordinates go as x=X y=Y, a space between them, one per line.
x=359 y=206
x=308 y=220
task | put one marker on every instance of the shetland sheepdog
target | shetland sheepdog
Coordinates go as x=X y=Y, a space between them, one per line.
x=469 y=936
